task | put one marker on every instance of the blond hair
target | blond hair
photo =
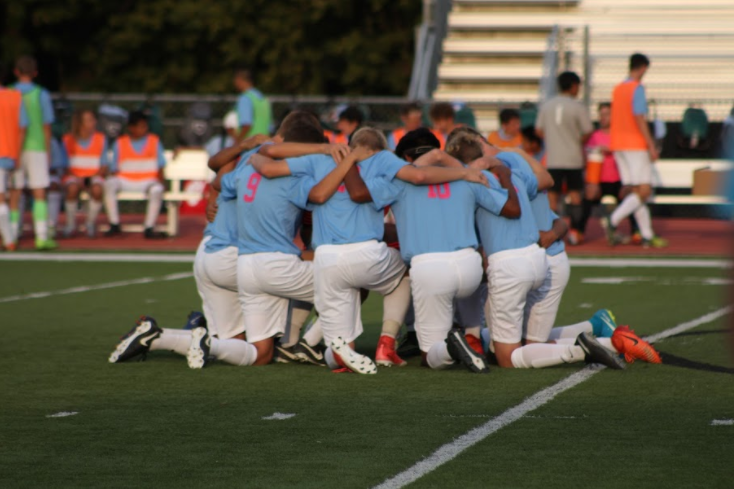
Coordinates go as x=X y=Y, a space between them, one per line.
x=370 y=138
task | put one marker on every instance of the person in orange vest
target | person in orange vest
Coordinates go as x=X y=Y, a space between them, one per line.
x=85 y=148
x=349 y=121
x=13 y=123
x=442 y=116
x=634 y=150
x=136 y=166
x=411 y=116
x=508 y=135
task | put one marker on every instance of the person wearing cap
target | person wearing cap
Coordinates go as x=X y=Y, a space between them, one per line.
x=136 y=166
x=226 y=138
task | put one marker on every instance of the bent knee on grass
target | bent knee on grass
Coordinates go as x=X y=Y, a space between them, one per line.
x=503 y=352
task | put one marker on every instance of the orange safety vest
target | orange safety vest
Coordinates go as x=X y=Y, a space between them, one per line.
x=132 y=165
x=495 y=140
x=336 y=137
x=84 y=162
x=623 y=133
x=10 y=101
x=398 y=134
x=440 y=136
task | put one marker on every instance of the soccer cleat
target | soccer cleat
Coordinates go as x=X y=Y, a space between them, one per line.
x=201 y=344
x=461 y=352
x=46 y=244
x=633 y=347
x=575 y=237
x=310 y=354
x=475 y=344
x=408 y=345
x=636 y=238
x=195 y=319
x=137 y=341
x=386 y=356
x=285 y=354
x=360 y=364
x=609 y=230
x=114 y=230
x=655 y=242
x=595 y=353
x=603 y=323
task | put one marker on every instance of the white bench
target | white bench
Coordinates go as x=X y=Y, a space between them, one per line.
x=678 y=175
x=186 y=165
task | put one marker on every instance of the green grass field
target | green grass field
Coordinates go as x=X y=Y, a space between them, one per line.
x=159 y=424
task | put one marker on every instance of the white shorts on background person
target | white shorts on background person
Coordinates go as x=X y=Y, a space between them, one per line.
x=33 y=172
x=542 y=303
x=117 y=184
x=216 y=282
x=340 y=271
x=635 y=167
x=437 y=279
x=267 y=282
x=511 y=275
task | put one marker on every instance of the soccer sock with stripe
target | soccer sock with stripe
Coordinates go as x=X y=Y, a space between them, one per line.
x=234 y=352
x=6 y=231
x=540 y=355
x=644 y=221
x=40 y=219
x=176 y=340
x=571 y=331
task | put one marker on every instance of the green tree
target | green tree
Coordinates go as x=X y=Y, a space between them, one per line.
x=334 y=47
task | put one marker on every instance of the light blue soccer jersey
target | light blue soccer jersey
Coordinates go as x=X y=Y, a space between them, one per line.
x=268 y=210
x=498 y=233
x=223 y=230
x=436 y=218
x=540 y=206
x=340 y=220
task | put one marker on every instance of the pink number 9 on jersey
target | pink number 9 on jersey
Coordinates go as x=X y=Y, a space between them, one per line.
x=252 y=185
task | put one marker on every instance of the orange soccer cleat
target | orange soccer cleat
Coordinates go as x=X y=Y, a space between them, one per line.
x=633 y=347
x=386 y=356
x=475 y=344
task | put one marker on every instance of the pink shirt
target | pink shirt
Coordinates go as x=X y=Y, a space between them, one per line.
x=609 y=172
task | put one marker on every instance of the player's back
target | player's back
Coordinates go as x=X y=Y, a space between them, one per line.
x=223 y=230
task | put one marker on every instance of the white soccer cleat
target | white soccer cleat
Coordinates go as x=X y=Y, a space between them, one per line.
x=198 y=354
x=357 y=363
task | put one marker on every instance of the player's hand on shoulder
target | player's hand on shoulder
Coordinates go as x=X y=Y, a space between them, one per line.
x=475 y=175
x=360 y=153
x=337 y=151
x=254 y=141
x=499 y=169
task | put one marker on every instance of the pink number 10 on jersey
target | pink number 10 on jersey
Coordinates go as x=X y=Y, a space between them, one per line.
x=442 y=191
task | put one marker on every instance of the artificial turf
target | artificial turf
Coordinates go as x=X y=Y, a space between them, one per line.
x=159 y=424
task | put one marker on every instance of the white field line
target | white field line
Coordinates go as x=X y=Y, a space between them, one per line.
x=189 y=258
x=451 y=450
x=87 y=288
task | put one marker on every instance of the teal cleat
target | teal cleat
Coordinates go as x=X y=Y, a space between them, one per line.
x=604 y=323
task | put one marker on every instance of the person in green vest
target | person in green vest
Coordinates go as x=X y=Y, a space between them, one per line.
x=35 y=155
x=253 y=108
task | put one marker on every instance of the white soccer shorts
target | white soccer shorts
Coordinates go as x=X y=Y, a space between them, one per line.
x=635 y=167
x=542 y=303
x=340 y=271
x=267 y=283
x=436 y=280
x=216 y=281
x=33 y=172
x=511 y=275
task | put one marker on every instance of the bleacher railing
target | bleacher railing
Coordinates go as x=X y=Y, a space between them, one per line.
x=429 y=48
x=550 y=66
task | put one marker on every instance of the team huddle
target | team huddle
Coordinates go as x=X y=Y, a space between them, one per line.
x=300 y=223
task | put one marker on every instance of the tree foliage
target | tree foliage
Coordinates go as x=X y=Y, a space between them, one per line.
x=294 y=47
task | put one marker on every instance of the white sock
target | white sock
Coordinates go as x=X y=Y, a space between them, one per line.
x=6 y=230
x=298 y=314
x=438 y=356
x=565 y=341
x=644 y=221
x=314 y=334
x=110 y=201
x=71 y=208
x=540 y=355
x=571 y=331
x=625 y=208
x=395 y=306
x=93 y=211
x=234 y=352
x=475 y=331
x=54 y=207
x=330 y=360
x=607 y=343
x=176 y=340
x=155 y=200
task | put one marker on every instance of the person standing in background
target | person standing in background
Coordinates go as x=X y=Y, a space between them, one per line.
x=226 y=137
x=411 y=116
x=13 y=123
x=635 y=151
x=253 y=109
x=35 y=155
x=508 y=135
x=443 y=120
x=565 y=125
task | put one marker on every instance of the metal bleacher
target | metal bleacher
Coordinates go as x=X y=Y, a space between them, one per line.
x=493 y=52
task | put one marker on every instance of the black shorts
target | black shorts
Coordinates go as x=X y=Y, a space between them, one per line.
x=611 y=188
x=573 y=179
